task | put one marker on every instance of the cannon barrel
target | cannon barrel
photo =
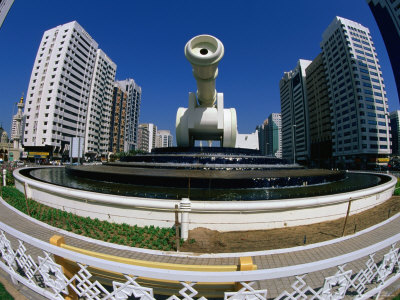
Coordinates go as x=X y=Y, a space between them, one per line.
x=204 y=52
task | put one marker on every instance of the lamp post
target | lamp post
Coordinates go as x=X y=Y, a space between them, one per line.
x=294 y=144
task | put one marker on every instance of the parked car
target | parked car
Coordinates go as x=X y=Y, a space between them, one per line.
x=394 y=166
x=19 y=163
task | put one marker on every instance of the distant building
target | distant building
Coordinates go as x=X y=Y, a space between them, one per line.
x=134 y=94
x=16 y=126
x=247 y=141
x=7 y=152
x=270 y=136
x=274 y=145
x=395 y=130
x=143 y=138
x=387 y=15
x=319 y=114
x=357 y=96
x=263 y=137
x=5 y=6
x=97 y=132
x=164 y=139
x=4 y=145
x=295 y=132
x=118 y=119
x=147 y=137
x=59 y=91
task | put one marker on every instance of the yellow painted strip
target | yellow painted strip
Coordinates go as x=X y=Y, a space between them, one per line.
x=151 y=264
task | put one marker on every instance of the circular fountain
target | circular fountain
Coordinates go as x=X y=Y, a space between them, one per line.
x=221 y=191
x=222 y=188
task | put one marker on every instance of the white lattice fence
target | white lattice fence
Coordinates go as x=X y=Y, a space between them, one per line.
x=43 y=275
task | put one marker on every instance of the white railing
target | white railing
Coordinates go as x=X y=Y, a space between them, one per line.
x=44 y=276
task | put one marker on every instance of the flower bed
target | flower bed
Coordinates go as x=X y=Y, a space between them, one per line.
x=149 y=237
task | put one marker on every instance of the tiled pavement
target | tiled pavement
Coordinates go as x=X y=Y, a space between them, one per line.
x=263 y=260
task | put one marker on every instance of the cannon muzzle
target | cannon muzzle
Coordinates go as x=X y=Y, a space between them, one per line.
x=204 y=52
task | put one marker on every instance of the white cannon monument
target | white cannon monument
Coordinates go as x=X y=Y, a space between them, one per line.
x=205 y=119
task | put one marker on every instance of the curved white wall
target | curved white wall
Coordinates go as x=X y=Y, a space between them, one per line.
x=216 y=215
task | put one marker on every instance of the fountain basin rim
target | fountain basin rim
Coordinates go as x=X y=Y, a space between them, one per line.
x=236 y=173
x=203 y=206
x=206 y=165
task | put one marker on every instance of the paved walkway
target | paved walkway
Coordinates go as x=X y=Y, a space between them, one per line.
x=263 y=260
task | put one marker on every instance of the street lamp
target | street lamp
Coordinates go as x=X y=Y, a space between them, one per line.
x=294 y=144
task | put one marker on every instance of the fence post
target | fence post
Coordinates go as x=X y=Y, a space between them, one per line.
x=245 y=264
x=69 y=272
x=185 y=208
x=177 y=227
x=4 y=177
x=347 y=216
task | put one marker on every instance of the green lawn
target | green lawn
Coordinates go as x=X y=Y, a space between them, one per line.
x=4 y=295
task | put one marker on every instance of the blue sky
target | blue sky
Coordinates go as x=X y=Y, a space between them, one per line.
x=262 y=39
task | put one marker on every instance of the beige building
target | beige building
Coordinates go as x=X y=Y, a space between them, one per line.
x=164 y=139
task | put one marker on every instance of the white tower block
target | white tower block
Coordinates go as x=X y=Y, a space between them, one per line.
x=205 y=118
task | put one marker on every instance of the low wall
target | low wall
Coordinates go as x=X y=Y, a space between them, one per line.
x=216 y=215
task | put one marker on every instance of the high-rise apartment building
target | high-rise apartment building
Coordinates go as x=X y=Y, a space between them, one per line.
x=395 y=130
x=164 y=139
x=134 y=94
x=59 y=88
x=295 y=136
x=387 y=15
x=97 y=133
x=319 y=114
x=274 y=144
x=69 y=94
x=357 y=97
x=147 y=134
x=118 y=118
x=5 y=6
